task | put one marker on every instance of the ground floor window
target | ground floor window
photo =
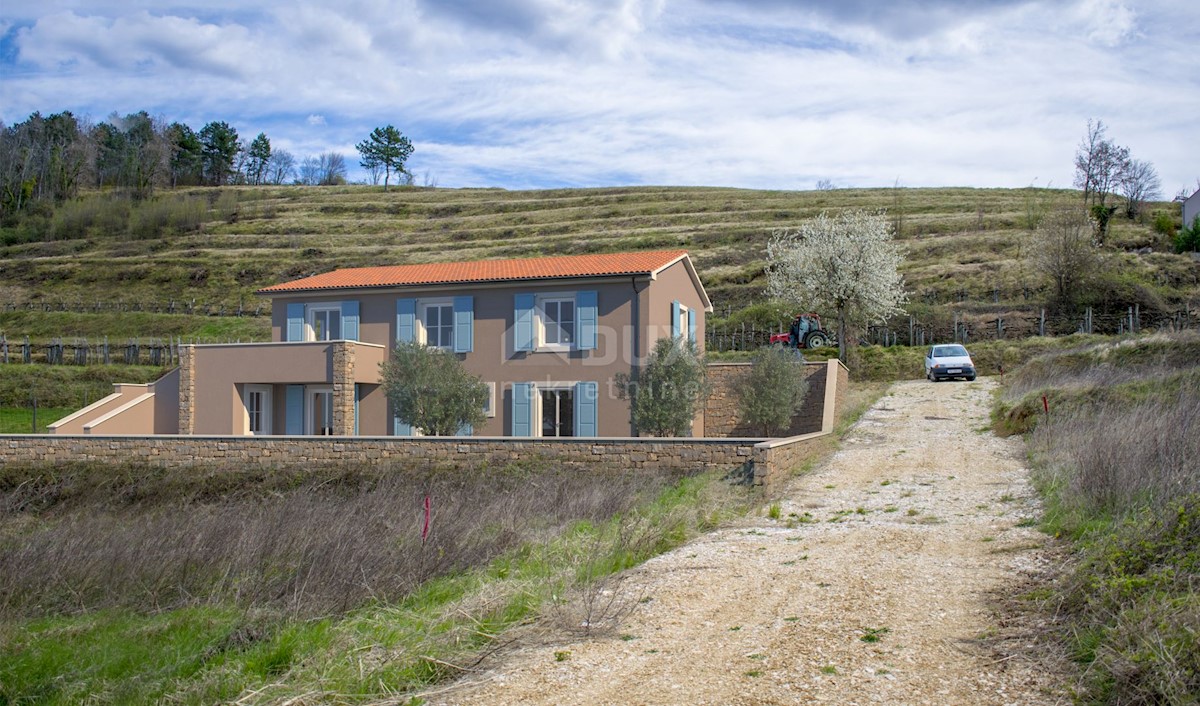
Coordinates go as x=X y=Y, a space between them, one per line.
x=258 y=409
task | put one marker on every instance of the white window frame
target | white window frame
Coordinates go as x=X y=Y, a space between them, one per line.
x=489 y=405
x=310 y=407
x=540 y=302
x=538 y=389
x=683 y=322
x=421 y=335
x=265 y=391
x=310 y=320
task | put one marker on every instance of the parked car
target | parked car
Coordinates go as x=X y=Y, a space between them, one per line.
x=948 y=361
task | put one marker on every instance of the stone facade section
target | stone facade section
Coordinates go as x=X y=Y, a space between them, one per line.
x=187 y=389
x=726 y=381
x=343 y=359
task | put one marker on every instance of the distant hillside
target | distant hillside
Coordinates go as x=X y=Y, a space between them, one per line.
x=967 y=248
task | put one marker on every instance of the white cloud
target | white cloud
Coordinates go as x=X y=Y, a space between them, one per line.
x=532 y=92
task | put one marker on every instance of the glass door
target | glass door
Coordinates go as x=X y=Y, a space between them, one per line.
x=320 y=412
x=558 y=412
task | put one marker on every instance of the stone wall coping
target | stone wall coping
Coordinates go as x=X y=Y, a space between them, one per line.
x=676 y=440
x=786 y=441
x=746 y=363
x=285 y=343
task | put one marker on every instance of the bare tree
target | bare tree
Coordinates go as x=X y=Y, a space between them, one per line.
x=1066 y=250
x=280 y=167
x=332 y=168
x=1139 y=184
x=1099 y=165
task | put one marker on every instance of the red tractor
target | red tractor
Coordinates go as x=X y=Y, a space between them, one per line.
x=805 y=332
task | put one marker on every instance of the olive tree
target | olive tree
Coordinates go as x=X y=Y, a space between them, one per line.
x=430 y=389
x=774 y=390
x=848 y=263
x=669 y=389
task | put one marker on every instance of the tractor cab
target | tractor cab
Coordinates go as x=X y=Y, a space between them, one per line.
x=805 y=332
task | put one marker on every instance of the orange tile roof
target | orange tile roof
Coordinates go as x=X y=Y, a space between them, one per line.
x=630 y=263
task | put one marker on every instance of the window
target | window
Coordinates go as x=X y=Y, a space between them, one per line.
x=437 y=321
x=447 y=323
x=558 y=412
x=258 y=409
x=325 y=322
x=683 y=322
x=557 y=321
x=489 y=405
x=319 y=418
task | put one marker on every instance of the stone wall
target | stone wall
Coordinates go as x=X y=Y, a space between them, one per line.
x=721 y=417
x=343 y=388
x=766 y=461
x=187 y=389
x=174 y=451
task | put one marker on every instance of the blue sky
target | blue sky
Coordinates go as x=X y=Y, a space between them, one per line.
x=773 y=94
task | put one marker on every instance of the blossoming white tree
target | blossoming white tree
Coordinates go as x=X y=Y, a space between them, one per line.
x=848 y=263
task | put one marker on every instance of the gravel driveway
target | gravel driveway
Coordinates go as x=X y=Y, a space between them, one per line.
x=875 y=585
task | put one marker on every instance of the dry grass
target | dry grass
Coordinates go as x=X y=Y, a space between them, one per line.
x=1116 y=456
x=304 y=543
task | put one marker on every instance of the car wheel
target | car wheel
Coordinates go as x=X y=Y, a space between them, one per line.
x=971 y=378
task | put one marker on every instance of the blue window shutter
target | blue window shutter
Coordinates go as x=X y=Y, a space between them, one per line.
x=357 y=397
x=585 y=409
x=406 y=320
x=522 y=409
x=675 y=332
x=294 y=416
x=691 y=324
x=523 y=322
x=464 y=324
x=295 y=322
x=399 y=428
x=350 y=321
x=465 y=430
x=585 y=312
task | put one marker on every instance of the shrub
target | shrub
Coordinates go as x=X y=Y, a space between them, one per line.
x=77 y=219
x=1188 y=239
x=666 y=395
x=1164 y=224
x=774 y=390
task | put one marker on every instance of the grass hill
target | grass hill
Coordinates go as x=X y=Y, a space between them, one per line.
x=185 y=257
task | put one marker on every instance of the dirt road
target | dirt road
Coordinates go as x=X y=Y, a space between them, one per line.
x=874 y=585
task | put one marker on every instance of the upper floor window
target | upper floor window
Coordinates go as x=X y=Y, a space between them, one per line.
x=557 y=321
x=325 y=322
x=322 y=321
x=437 y=319
x=447 y=322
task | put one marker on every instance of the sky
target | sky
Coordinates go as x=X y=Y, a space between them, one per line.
x=764 y=94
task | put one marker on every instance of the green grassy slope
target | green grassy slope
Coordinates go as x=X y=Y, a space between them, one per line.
x=966 y=247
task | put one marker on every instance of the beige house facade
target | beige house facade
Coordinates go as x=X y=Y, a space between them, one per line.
x=547 y=335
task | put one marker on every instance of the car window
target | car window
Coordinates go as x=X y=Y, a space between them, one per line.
x=949 y=351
